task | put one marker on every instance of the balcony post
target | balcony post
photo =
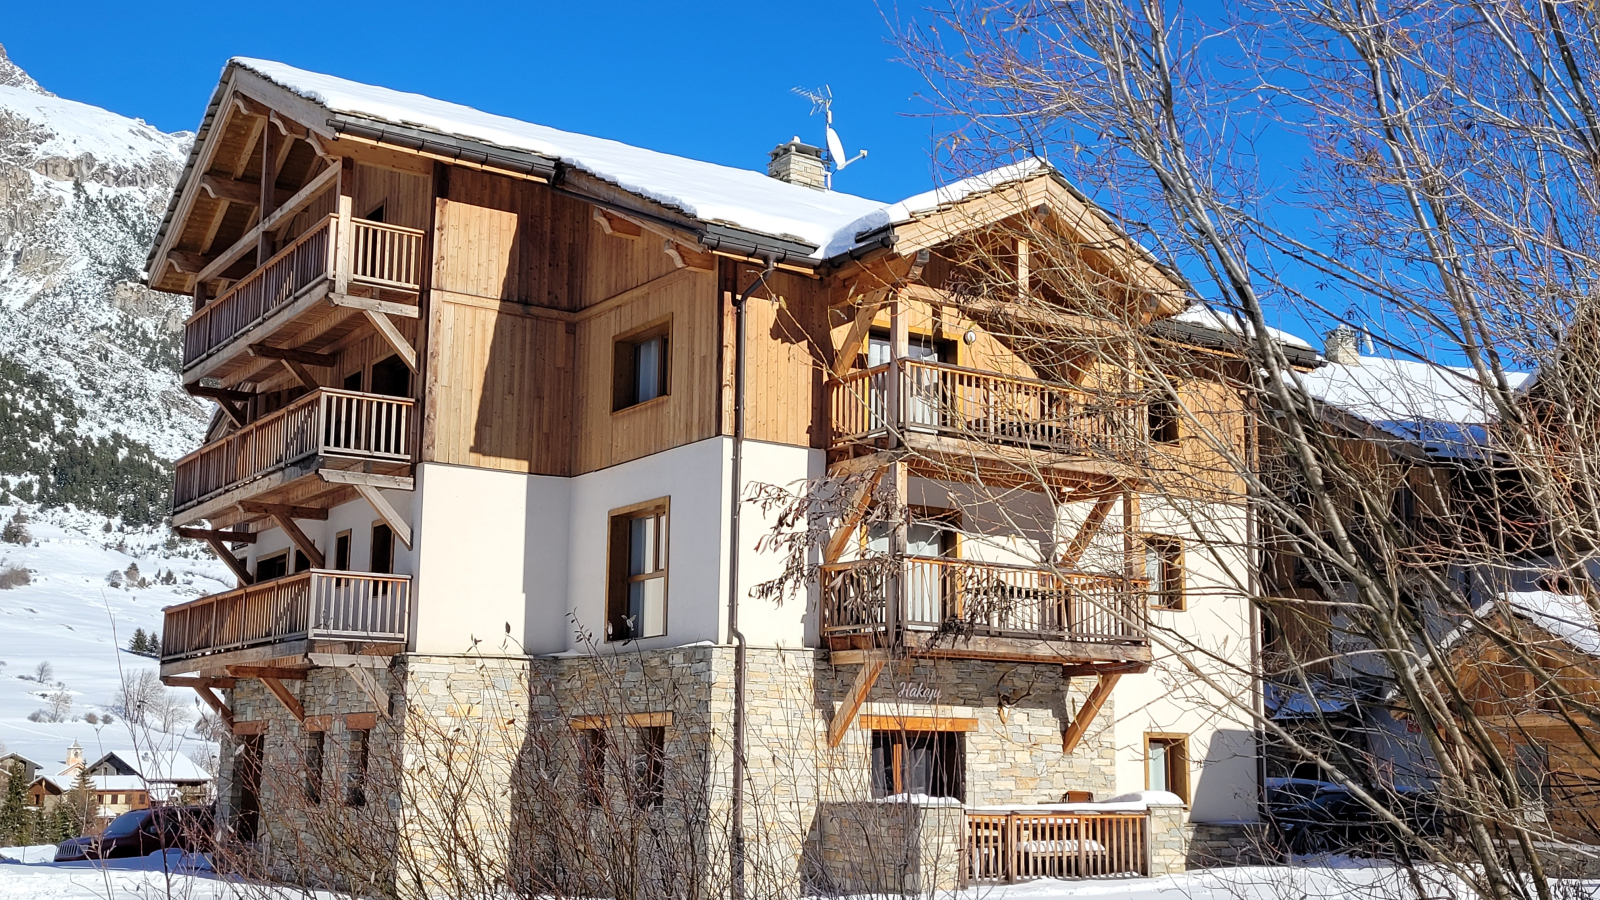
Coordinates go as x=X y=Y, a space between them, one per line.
x=894 y=398
x=344 y=231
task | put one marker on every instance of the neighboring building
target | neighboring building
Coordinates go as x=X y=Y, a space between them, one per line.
x=477 y=390
x=10 y=761
x=125 y=780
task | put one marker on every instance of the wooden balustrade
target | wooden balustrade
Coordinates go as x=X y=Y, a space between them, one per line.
x=382 y=256
x=1023 y=844
x=982 y=406
x=970 y=597
x=325 y=422
x=314 y=605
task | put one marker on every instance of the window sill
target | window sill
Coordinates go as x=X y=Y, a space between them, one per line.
x=653 y=402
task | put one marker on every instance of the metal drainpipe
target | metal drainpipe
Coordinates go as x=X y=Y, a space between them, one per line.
x=736 y=840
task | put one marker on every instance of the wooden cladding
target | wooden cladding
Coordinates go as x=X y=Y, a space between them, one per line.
x=1017 y=846
x=325 y=422
x=979 y=598
x=313 y=605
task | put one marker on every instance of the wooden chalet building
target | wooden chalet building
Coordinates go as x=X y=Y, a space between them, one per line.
x=479 y=390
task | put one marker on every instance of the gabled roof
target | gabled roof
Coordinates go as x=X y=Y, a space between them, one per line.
x=733 y=207
x=1442 y=409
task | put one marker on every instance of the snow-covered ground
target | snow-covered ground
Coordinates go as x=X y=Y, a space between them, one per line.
x=72 y=617
x=1319 y=880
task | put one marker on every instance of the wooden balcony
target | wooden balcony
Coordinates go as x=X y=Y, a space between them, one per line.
x=937 y=409
x=289 y=616
x=294 y=297
x=968 y=609
x=1010 y=845
x=278 y=453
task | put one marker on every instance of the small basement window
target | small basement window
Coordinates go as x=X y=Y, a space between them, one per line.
x=641 y=365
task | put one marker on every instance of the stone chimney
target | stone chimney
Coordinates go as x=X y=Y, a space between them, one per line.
x=1342 y=347
x=798 y=163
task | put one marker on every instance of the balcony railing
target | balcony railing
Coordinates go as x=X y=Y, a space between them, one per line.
x=326 y=422
x=1025 y=844
x=313 y=605
x=982 y=406
x=976 y=598
x=381 y=256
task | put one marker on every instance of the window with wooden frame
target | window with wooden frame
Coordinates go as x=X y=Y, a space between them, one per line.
x=636 y=597
x=355 y=776
x=919 y=762
x=316 y=744
x=1163 y=569
x=592 y=751
x=341 y=551
x=640 y=365
x=274 y=565
x=382 y=548
x=1163 y=421
x=649 y=765
x=1166 y=764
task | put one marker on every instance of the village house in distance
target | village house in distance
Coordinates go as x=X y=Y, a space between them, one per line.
x=486 y=393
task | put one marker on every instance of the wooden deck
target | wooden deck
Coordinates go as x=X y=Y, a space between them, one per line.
x=287 y=616
x=967 y=609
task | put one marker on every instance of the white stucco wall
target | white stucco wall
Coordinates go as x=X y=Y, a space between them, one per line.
x=355 y=516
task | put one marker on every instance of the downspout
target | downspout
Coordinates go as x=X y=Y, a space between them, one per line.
x=735 y=636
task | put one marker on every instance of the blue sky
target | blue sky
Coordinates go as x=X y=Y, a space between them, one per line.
x=710 y=81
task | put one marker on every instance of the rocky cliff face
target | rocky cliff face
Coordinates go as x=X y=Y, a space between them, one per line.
x=81 y=192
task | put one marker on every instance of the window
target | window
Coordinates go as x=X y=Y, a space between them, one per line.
x=382 y=548
x=1163 y=421
x=301 y=563
x=919 y=762
x=376 y=215
x=637 y=597
x=355 y=778
x=1163 y=568
x=316 y=742
x=391 y=377
x=274 y=566
x=1533 y=779
x=1167 y=764
x=649 y=764
x=640 y=367
x=352 y=382
x=247 y=775
x=341 y=552
x=592 y=744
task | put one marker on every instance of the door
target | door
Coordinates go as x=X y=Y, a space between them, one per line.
x=923 y=404
x=926 y=540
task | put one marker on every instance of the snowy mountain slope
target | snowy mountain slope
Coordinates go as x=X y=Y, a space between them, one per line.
x=81 y=191
x=71 y=616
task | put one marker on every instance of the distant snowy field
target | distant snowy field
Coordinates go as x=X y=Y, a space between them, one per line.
x=1327 y=880
x=73 y=618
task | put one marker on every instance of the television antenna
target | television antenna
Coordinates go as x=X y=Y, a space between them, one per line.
x=822 y=100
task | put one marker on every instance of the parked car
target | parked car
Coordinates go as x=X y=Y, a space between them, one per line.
x=142 y=832
x=1319 y=816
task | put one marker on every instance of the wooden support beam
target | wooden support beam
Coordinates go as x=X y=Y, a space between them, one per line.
x=250 y=240
x=301 y=373
x=392 y=335
x=370 y=491
x=300 y=539
x=369 y=686
x=304 y=357
x=617 y=226
x=240 y=571
x=199 y=681
x=366 y=304
x=209 y=534
x=188 y=261
x=213 y=701
x=854 y=511
x=1091 y=707
x=865 y=679
x=289 y=701
x=257 y=508
x=686 y=257
x=282 y=673
x=238 y=191
x=1091 y=525
x=217 y=393
x=846 y=354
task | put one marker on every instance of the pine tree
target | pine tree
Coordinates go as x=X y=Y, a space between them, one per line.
x=79 y=807
x=13 y=809
x=139 y=643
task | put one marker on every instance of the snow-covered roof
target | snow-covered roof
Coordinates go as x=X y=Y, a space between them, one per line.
x=100 y=782
x=1564 y=615
x=1441 y=407
x=749 y=200
x=168 y=765
x=1202 y=316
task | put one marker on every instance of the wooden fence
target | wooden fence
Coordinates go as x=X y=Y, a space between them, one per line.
x=325 y=422
x=974 y=597
x=983 y=406
x=316 y=604
x=382 y=256
x=1016 y=846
